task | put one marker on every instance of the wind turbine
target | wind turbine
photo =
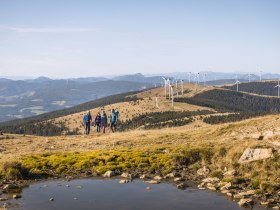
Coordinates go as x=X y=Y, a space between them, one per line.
x=278 y=86
x=204 y=79
x=249 y=76
x=169 y=88
x=190 y=75
x=260 y=75
x=165 y=85
x=198 y=78
x=172 y=96
x=182 y=87
x=237 y=84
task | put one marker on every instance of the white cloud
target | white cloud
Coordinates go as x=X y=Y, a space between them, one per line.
x=46 y=29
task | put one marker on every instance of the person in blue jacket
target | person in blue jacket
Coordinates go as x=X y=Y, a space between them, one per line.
x=104 y=121
x=87 y=121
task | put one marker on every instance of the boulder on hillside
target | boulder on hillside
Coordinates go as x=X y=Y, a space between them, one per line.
x=250 y=155
x=203 y=171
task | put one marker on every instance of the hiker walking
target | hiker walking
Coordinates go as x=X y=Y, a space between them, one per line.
x=97 y=122
x=117 y=119
x=104 y=121
x=113 y=120
x=87 y=121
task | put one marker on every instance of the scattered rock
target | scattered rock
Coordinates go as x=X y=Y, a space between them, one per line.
x=203 y=171
x=67 y=185
x=158 y=178
x=10 y=187
x=230 y=173
x=144 y=176
x=179 y=179
x=16 y=196
x=227 y=186
x=246 y=202
x=109 y=174
x=75 y=198
x=170 y=175
x=211 y=180
x=230 y=194
x=79 y=187
x=148 y=188
x=123 y=181
x=4 y=199
x=250 y=155
x=153 y=182
x=51 y=199
x=224 y=191
x=126 y=175
x=245 y=194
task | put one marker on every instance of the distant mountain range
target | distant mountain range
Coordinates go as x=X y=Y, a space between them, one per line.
x=24 y=98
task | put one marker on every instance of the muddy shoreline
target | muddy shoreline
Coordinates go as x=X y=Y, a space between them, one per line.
x=241 y=192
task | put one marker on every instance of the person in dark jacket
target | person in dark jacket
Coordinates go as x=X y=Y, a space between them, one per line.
x=104 y=121
x=87 y=121
x=113 y=120
x=98 y=122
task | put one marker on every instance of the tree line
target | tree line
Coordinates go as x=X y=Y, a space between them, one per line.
x=261 y=88
x=244 y=105
x=161 y=119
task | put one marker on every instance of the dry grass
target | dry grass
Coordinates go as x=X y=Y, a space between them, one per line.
x=236 y=136
x=128 y=110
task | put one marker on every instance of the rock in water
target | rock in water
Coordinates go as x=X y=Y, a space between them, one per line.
x=250 y=155
x=123 y=181
x=16 y=196
x=51 y=199
x=126 y=175
x=182 y=186
x=246 y=202
x=153 y=182
x=109 y=174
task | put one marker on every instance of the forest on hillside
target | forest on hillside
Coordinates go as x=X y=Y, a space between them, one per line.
x=261 y=88
x=242 y=105
x=157 y=120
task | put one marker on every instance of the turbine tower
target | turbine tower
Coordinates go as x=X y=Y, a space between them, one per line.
x=204 y=79
x=237 y=85
x=278 y=86
x=165 y=85
x=190 y=75
x=169 y=88
x=198 y=78
x=182 y=87
x=172 y=96
x=249 y=77
x=260 y=75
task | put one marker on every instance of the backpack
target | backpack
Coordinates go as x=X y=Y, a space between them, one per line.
x=87 y=118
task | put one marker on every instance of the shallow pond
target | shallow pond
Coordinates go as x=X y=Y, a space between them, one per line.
x=88 y=194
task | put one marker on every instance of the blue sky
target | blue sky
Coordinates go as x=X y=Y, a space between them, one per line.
x=66 y=38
